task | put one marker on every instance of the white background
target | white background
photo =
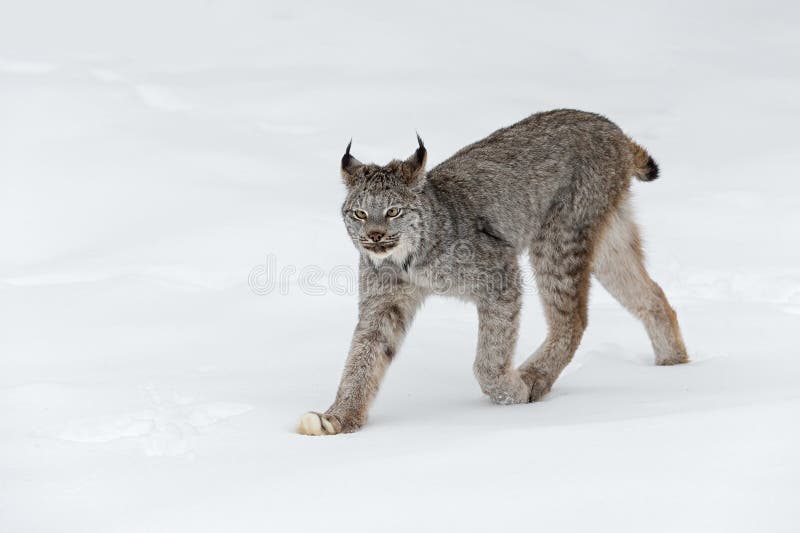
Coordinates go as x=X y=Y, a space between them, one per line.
x=152 y=154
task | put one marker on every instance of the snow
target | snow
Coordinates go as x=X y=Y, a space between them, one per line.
x=159 y=158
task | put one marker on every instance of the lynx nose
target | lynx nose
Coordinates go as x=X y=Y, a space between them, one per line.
x=375 y=236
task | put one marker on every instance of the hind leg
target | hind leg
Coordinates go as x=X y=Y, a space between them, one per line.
x=619 y=266
x=561 y=260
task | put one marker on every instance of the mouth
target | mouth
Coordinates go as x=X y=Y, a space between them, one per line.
x=379 y=248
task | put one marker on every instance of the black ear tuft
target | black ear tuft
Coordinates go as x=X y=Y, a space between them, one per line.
x=421 y=151
x=347 y=157
x=414 y=166
x=350 y=166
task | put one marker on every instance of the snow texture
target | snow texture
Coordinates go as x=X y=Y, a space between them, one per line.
x=176 y=286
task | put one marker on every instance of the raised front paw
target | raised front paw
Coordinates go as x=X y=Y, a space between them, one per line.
x=317 y=424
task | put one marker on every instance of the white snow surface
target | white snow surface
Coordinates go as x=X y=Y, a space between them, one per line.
x=157 y=156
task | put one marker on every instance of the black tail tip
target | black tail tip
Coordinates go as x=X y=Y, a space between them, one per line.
x=651 y=170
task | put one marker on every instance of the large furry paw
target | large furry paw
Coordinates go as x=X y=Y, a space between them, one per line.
x=509 y=391
x=317 y=424
x=507 y=398
x=673 y=359
x=538 y=381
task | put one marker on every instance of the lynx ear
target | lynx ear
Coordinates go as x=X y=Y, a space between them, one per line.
x=414 y=166
x=350 y=166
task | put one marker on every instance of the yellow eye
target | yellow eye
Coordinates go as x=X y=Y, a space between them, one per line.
x=360 y=215
x=392 y=212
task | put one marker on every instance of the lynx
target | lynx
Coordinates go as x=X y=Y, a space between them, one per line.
x=555 y=184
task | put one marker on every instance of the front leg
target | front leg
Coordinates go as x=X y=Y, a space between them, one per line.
x=498 y=325
x=385 y=312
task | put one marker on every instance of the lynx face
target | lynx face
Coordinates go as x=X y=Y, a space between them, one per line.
x=382 y=210
x=381 y=214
